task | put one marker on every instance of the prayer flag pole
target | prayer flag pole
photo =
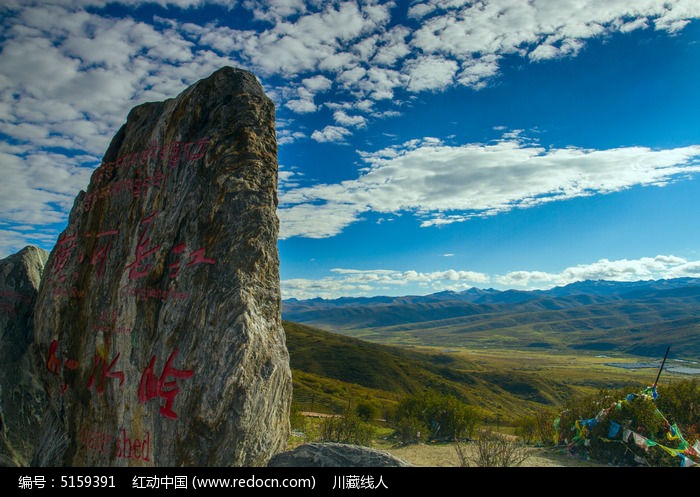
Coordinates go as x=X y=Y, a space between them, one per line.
x=662 y=366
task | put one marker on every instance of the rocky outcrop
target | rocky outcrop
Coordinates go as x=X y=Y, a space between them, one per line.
x=326 y=455
x=22 y=399
x=158 y=317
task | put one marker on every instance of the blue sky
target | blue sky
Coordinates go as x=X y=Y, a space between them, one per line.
x=423 y=146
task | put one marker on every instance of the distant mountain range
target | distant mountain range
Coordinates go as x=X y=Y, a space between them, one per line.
x=640 y=318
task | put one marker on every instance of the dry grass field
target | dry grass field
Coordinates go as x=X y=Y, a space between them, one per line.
x=445 y=455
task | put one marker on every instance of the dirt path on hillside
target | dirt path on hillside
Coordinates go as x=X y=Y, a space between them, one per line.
x=445 y=455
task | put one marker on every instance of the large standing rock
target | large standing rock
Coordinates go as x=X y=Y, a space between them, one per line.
x=158 y=318
x=22 y=398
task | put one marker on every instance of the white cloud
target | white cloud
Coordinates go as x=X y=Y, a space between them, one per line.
x=335 y=134
x=420 y=10
x=555 y=48
x=57 y=53
x=306 y=93
x=542 y=28
x=350 y=77
x=317 y=83
x=315 y=221
x=285 y=137
x=476 y=72
x=274 y=10
x=457 y=42
x=380 y=83
x=355 y=282
x=342 y=118
x=392 y=46
x=95 y=65
x=444 y=184
x=16 y=4
x=644 y=268
x=430 y=73
x=287 y=178
x=317 y=39
x=41 y=187
x=348 y=282
x=301 y=106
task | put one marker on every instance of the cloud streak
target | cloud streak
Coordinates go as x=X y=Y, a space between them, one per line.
x=443 y=184
x=349 y=282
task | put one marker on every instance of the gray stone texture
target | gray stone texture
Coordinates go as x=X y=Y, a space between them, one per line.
x=22 y=397
x=158 y=318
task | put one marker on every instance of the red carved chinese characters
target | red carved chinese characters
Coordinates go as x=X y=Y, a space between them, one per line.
x=104 y=371
x=142 y=251
x=170 y=154
x=196 y=257
x=101 y=253
x=144 y=259
x=152 y=386
x=53 y=363
x=64 y=250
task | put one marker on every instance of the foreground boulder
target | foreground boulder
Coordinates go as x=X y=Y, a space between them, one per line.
x=336 y=455
x=22 y=398
x=158 y=318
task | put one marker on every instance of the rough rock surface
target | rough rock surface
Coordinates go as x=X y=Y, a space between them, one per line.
x=326 y=455
x=158 y=317
x=22 y=398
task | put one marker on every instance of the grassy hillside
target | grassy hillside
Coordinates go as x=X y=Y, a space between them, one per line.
x=332 y=372
x=639 y=328
x=381 y=314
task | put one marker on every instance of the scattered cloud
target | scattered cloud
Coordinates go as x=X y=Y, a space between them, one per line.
x=317 y=83
x=353 y=282
x=645 y=268
x=335 y=134
x=347 y=120
x=71 y=69
x=443 y=184
x=285 y=137
x=430 y=73
x=301 y=106
x=39 y=188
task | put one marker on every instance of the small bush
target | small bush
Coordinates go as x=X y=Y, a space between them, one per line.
x=439 y=417
x=493 y=449
x=296 y=420
x=538 y=429
x=411 y=430
x=366 y=411
x=680 y=402
x=349 y=429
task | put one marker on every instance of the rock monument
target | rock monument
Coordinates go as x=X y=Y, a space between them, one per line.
x=158 y=320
